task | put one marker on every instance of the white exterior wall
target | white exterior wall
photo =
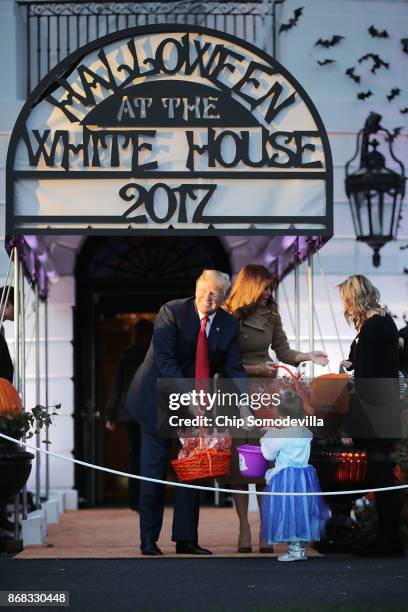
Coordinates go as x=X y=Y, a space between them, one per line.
x=334 y=94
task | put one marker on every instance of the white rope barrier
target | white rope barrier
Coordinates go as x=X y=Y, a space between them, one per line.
x=189 y=486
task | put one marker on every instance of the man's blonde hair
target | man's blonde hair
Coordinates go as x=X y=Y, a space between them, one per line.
x=219 y=278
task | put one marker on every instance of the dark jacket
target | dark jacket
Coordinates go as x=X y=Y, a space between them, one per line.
x=403 y=350
x=6 y=365
x=172 y=354
x=374 y=355
x=129 y=361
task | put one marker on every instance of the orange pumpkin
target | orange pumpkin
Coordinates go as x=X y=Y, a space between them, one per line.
x=328 y=392
x=10 y=402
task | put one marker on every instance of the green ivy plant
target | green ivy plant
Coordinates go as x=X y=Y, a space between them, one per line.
x=28 y=423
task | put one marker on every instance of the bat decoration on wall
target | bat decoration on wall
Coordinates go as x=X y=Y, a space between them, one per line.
x=376 y=33
x=396 y=132
x=404 y=111
x=377 y=61
x=324 y=62
x=293 y=21
x=395 y=91
x=364 y=94
x=332 y=42
x=404 y=43
x=350 y=73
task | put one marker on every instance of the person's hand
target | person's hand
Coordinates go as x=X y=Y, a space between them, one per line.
x=195 y=409
x=245 y=413
x=346 y=364
x=247 y=426
x=319 y=357
x=110 y=425
x=266 y=369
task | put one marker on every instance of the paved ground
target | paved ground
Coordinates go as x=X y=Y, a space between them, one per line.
x=114 y=533
x=93 y=554
x=165 y=584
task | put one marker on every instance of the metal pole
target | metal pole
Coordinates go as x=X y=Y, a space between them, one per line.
x=310 y=307
x=16 y=359
x=37 y=399
x=297 y=307
x=23 y=372
x=47 y=457
x=16 y=319
x=274 y=34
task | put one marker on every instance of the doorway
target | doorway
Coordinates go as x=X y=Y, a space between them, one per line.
x=118 y=281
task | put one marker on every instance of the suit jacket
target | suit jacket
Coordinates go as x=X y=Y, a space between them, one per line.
x=129 y=361
x=172 y=354
x=6 y=365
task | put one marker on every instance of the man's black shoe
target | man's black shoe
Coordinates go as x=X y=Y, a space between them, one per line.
x=149 y=547
x=191 y=548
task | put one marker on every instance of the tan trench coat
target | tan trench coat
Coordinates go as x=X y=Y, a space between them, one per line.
x=260 y=329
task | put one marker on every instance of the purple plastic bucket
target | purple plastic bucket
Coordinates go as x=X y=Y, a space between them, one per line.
x=252 y=464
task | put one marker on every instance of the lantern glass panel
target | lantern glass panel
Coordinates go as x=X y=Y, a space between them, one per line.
x=375 y=206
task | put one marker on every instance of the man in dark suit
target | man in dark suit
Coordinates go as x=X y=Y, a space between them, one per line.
x=129 y=361
x=176 y=352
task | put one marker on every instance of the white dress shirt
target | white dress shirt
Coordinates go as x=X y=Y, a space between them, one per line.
x=209 y=322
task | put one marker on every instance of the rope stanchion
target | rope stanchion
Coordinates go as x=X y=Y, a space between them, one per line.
x=199 y=487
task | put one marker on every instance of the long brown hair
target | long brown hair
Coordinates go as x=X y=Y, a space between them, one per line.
x=252 y=280
x=360 y=299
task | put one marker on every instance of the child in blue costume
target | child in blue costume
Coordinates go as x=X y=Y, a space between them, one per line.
x=296 y=520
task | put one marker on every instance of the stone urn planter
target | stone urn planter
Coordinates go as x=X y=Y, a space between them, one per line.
x=15 y=462
x=15 y=468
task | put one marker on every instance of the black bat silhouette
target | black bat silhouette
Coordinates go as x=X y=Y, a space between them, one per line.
x=350 y=72
x=364 y=94
x=293 y=21
x=377 y=61
x=332 y=42
x=324 y=62
x=396 y=132
x=404 y=111
x=395 y=91
x=404 y=43
x=376 y=33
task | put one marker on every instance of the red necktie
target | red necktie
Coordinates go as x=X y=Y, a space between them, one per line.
x=202 y=363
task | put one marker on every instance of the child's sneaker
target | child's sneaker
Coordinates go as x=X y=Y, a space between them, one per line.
x=296 y=552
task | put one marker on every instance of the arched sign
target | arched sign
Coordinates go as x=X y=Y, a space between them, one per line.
x=169 y=128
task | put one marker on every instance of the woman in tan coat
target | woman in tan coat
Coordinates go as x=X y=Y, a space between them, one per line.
x=251 y=302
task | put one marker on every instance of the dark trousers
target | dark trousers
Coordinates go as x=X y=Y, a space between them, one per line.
x=133 y=431
x=154 y=459
x=389 y=503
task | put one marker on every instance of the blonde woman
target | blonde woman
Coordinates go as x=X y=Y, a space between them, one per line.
x=374 y=355
x=251 y=302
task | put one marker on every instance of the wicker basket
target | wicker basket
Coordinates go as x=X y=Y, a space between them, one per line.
x=203 y=464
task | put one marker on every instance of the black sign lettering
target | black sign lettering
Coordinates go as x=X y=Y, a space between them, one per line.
x=141 y=195
x=173 y=111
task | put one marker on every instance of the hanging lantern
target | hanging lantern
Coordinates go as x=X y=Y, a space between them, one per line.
x=375 y=192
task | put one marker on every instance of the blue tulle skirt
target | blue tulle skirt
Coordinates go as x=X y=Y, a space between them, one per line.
x=287 y=518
